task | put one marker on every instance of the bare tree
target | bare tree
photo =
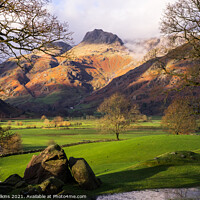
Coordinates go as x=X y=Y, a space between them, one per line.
x=118 y=113
x=179 y=117
x=181 y=21
x=27 y=25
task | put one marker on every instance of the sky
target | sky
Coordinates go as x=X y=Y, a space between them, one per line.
x=129 y=19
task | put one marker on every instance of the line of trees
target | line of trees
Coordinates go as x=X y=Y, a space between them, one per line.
x=179 y=118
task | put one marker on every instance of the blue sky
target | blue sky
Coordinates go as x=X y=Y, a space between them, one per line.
x=129 y=19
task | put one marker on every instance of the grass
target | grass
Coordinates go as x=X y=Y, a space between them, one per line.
x=120 y=164
x=123 y=165
x=65 y=92
x=18 y=100
x=34 y=138
x=49 y=99
x=132 y=151
x=39 y=138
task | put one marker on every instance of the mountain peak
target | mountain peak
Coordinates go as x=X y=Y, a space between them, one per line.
x=98 y=36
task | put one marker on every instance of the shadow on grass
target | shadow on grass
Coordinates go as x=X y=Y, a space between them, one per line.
x=146 y=178
x=119 y=182
x=127 y=179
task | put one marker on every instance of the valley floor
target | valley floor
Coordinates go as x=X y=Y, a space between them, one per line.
x=146 y=157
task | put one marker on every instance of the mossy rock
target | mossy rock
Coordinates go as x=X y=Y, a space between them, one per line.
x=12 y=180
x=50 y=162
x=174 y=158
x=31 y=190
x=51 y=186
x=21 y=184
x=83 y=174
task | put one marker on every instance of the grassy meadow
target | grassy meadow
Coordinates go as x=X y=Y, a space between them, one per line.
x=133 y=163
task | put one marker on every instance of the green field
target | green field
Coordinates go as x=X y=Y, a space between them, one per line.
x=39 y=137
x=123 y=165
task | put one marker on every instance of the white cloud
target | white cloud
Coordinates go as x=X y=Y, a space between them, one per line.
x=129 y=19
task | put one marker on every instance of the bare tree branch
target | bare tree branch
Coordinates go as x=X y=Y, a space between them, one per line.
x=26 y=25
x=182 y=20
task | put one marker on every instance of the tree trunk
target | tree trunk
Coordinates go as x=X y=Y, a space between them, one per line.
x=117 y=134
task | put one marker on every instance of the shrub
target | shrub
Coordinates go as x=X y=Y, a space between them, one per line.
x=77 y=124
x=66 y=124
x=90 y=117
x=9 y=123
x=57 y=121
x=43 y=117
x=19 y=123
x=47 y=123
x=59 y=125
x=144 y=118
x=9 y=142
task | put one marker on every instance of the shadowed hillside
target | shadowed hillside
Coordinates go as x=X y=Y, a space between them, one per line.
x=149 y=86
x=7 y=110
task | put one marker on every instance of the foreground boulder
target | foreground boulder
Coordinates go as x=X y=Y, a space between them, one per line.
x=51 y=162
x=51 y=186
x=83 y=174
x=12 y=182
x=31 y=190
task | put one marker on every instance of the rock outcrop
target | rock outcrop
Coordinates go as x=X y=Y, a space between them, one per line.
x=12 y=182
x=83 y=174
x=58 y=48
x=98 y=36
x=51 y=186
x=51 y=162
x=49 y=172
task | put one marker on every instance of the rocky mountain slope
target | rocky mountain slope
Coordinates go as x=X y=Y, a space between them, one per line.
x=55 y=84
x=75 y=80
x=149 y=86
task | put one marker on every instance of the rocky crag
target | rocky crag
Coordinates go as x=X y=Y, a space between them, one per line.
x=55 y=84
x=76 y=81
